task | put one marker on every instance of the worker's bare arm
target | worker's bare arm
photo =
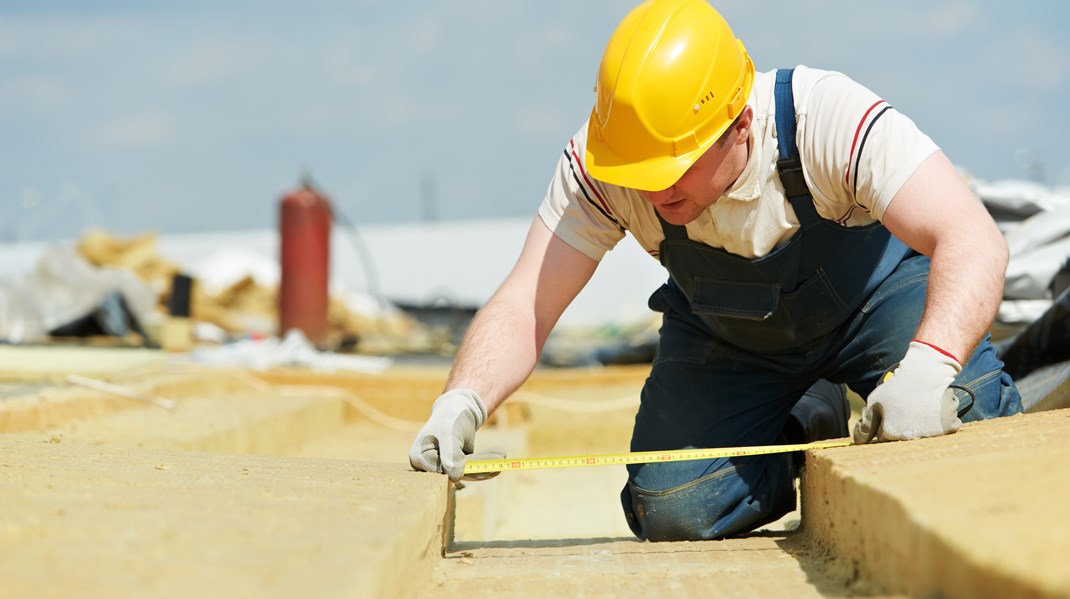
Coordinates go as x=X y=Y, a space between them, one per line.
x=503 y=343
x=936 y=214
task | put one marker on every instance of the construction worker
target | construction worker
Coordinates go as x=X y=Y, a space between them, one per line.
x=811 y=233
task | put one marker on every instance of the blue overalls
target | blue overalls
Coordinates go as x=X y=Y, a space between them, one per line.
x=743 y=339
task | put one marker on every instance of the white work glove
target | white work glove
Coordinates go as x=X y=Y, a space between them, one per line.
x=915 y=400
x=448 y=438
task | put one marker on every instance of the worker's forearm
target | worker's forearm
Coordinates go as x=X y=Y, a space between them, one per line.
x=965 y=288
x=498 y=353
x=502 y=345
x=936 y=214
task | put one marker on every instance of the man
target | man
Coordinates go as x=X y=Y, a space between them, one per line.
x=811 y=233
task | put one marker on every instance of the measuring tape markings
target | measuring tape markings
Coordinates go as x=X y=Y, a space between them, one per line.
x=640 y=457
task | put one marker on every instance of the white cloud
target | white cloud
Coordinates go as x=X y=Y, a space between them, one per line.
x=423 y=38
x=401 y=109
x=1033 y=59
x=138 y=130
x=208 y=62
x=557 y=36
x=543 y=122
x=36 y=95
x=348 y=65
x=953 y=18
x=51 y=37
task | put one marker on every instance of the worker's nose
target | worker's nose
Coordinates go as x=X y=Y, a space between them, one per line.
x=658 y=198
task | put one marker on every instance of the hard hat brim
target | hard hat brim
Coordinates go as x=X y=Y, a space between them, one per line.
x=650 y=174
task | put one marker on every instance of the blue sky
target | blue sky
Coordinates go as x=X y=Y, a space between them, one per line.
x=197 y=116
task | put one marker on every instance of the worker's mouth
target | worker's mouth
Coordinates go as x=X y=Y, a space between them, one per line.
x=674 y=212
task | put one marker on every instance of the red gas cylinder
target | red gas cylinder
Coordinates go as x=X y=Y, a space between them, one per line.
x=304 y=255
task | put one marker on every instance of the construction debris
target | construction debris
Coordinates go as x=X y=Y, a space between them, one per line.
x=113 y=286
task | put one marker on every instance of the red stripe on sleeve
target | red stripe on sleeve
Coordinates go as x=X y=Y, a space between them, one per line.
x=583 y=172
x=854 y=142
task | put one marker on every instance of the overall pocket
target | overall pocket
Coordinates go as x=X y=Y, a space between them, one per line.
x=764 y=317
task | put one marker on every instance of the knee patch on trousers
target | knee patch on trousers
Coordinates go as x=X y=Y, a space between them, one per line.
x=733 y=500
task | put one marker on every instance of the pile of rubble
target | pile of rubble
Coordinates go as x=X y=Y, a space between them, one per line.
x=117 y=290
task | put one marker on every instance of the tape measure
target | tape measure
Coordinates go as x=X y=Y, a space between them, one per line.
x=640 y=457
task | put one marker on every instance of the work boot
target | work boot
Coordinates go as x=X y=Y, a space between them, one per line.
x=822 y=413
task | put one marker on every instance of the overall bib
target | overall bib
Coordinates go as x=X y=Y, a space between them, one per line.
x=742 y=339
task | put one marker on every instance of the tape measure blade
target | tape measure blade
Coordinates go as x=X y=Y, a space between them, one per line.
x=641 y=457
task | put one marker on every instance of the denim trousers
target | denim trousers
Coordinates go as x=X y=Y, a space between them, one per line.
x=704 y=393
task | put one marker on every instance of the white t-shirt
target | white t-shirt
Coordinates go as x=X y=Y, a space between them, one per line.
x=856 y=150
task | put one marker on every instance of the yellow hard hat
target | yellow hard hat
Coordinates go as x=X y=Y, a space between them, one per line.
x=672 y=80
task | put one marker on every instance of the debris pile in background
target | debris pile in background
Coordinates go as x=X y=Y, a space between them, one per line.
x=1035 y=220
x=66 y=296
x=105 y=281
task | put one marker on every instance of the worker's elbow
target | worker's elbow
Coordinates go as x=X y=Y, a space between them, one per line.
x=1001 y=254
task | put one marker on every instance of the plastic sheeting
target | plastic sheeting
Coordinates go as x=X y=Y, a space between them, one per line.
x=1035 y=220
x=294 y=350
x=63 y=288
x=1039 y=247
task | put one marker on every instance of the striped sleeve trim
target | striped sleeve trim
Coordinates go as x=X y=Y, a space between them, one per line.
x=846 y=216
x=586 y=185
x=858 y=144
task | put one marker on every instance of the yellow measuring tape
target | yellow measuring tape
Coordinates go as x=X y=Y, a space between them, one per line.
x=640 y=457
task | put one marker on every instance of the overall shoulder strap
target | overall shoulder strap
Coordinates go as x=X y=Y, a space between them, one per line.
x=672 y=232
x=789 y=166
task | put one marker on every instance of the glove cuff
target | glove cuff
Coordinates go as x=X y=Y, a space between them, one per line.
x=922 y=352
x=939 y=349
x=467 y=399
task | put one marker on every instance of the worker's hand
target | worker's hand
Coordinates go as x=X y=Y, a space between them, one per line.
x=915 y=399
x=448 y=438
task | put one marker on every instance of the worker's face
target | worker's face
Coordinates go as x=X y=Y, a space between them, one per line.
x=707 y=179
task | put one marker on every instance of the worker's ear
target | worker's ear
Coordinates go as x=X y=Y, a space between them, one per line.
x=742 y=124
